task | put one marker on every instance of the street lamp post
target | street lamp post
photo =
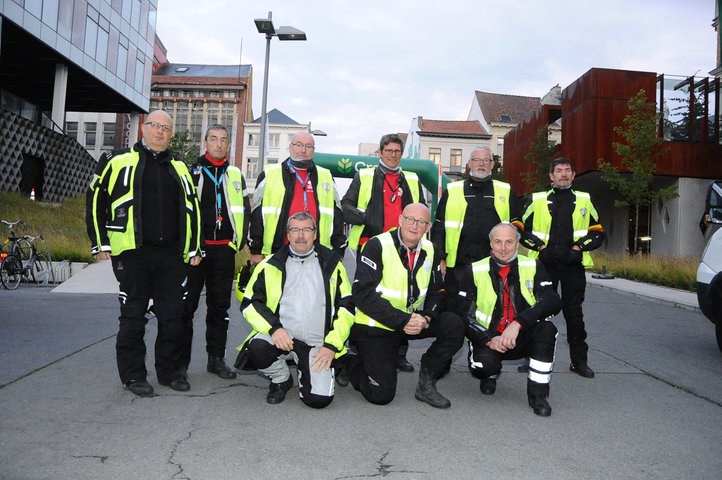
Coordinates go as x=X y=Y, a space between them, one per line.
x=265 y=26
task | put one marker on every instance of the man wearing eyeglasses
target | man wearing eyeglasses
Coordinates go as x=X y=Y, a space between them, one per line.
x=397 y=292
x=375 y=199
x=224 y=207
x=295 y=185
x=467 y=211
x=142 y=214
x=298 y=302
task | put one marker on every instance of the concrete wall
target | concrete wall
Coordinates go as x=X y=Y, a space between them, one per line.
x=675 y=223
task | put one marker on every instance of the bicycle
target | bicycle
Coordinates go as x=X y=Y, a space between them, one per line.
x=38 y=265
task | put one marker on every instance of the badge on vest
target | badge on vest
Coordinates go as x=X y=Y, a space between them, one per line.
x=503 y=199
x=583 y=211
x=530 y=286
x=427 y=265
x=326 y=186
x=237 y=186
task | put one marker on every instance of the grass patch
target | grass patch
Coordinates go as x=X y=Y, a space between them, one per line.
x=672 y=272
x=61 y=224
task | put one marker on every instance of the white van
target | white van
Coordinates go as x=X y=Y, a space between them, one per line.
x=709 y=283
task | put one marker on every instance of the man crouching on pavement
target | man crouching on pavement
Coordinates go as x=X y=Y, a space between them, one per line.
x=398 y=293
x=298 y=302
x=513 y=297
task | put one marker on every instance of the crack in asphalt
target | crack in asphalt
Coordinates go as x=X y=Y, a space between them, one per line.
x=180 y=474
x=383 y=470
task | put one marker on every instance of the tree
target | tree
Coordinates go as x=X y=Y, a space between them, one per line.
x=540 y=156
x=181 y=148
x=639 y=150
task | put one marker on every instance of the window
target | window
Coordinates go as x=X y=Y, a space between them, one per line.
x=500 y=147
x=435 y=155
x=90 y=129
x=505 y=118
x=50 y=13
x=274 y=139
x=108 y=134
x=71 y=130
x=214 y=94
x=456 y=157
x=228 y=94
x=122 y=58
x=252 y=140
x=91 y=32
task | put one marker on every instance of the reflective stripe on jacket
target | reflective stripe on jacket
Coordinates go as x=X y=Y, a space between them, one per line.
x=366 y=178
x=394 y=285
x=273 y=195
x=456 y=210
x=542 y=222
x=486 y=296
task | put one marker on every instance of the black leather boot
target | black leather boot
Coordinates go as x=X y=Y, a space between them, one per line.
x=426 y=390
x=218 y=366
x=537 y=394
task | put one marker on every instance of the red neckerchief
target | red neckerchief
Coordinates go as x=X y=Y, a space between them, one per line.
x=507 y=314
x=216 y=163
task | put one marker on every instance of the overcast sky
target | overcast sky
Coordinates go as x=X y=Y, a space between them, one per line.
x=368 y=67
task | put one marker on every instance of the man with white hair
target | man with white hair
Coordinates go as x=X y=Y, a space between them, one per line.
x=466 y=213
x=511 y=296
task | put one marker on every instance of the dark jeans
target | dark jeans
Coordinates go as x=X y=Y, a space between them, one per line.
x=573 y=283
x=373 y=370
x=146 y=273
x=215 y=272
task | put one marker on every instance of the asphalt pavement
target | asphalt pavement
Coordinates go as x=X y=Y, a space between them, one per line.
x=654 y=410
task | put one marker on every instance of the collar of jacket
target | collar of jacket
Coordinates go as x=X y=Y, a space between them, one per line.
x=207 y=161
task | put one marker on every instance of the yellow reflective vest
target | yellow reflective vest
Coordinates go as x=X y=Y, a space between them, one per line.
x=456 y=210
x=542 y=222
x=366 y=178
x=338 y=326
x=486 y=297
x=274 y=194
x=394 y=285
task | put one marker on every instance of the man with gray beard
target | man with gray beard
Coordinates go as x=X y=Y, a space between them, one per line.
x=467 y=212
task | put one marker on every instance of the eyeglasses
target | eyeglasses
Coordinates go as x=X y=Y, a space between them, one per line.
x=156 y=126
x=482 y=160
x=304 y=147
x=392 y=152
x=418 y=221
x=296 y=231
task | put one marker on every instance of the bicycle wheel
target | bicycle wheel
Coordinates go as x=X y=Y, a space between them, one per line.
x=10 y=272
x=42 y=270
x=23 y=249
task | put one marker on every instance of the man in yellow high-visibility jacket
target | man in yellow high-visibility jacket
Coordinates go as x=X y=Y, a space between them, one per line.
x=294 y=185
x=398 y=294
x=375 y=199
x=512 y=296
x=561 y=226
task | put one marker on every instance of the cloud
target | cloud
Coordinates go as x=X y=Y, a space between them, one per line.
x=369 y=67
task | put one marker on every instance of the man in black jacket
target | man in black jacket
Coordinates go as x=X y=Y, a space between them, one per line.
x=510 y=296
x=561 y=227
x=142 y=214
x=224 y=209
x=375 y=199
x=397 y=292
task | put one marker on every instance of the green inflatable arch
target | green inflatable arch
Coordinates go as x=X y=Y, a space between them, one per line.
x=345 y=166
